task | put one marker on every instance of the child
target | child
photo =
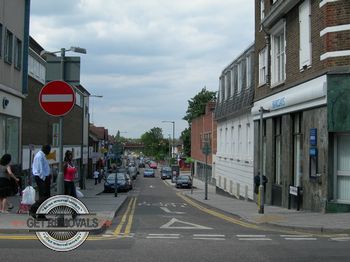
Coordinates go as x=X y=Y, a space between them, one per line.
x=96 y=176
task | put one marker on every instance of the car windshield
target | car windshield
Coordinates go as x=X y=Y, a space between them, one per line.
x=184 y=178
x=166 y=169
x=111 y=177
x=121 y=176
x=149 y=170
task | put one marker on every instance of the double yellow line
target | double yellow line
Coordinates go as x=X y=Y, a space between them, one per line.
x=127 y=218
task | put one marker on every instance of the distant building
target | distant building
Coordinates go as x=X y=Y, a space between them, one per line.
x=234 y=157
x=203 y=132
x=302 y=50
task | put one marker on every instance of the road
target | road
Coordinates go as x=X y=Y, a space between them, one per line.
x=158 y=224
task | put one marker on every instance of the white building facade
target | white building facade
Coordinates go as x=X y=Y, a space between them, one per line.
x=235 y=135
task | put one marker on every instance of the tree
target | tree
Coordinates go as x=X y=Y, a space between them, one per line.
x=186 y=138
x=196 y=106
x=155 y=144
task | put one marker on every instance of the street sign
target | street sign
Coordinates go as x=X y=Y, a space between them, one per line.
x=57 y=98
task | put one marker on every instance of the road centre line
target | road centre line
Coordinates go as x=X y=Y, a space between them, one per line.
x=295 y=236
x=256 y=236
x=164 y=234
x=300 y=238
x=122 y=222
x=208 y=238
x=254 y=239
x=163 y=237
x=207 y=235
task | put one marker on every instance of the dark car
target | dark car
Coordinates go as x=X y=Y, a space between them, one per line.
x=183 y=181
x=165 y=172
x=122 y=184
x=142 y=165
x=149 y=172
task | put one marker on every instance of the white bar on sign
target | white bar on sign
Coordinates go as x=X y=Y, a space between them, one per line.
x=57 y=98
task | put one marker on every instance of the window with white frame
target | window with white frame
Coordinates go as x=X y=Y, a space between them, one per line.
x=278 y=54
x=0 y=40
x=305 y=34
x=222 y=85
x=249 y=71
x=36 y=69
x=232 y=81
x=239 y=150
x=8 y=47
x=262 y=9
x=232 y=140
x=228 y=84
x=263 y=66
x=18 y=54
x=226 y=140
x=239 y=78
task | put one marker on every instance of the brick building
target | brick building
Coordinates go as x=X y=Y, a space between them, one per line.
x=203 y=130
x=302 y=78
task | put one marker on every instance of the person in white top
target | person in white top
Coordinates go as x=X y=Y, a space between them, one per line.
x=41 y=173
x=96 y=176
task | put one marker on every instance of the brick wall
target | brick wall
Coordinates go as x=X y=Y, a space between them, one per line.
x=331 y=14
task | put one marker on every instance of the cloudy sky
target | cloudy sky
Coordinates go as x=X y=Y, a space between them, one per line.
x=146 y=57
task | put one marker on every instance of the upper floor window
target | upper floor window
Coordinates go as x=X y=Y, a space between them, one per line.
x=305 y=34
x=263 y=66
x=262 y=9
x=18 y=54
x=278 y=53
x=0 y=40
x=36 y=69
x=222 y=87
x=8 y=46
x=239 y=77
x=228 y=84
x=249 y=71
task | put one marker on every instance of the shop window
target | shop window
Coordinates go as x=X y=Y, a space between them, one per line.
x=9 y=137
x=278 y=151
x=298 y=149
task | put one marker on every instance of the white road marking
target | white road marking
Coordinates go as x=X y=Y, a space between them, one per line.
x=210 y=238
x=163 y=236
x=166 y=210
x=300 y=238
x=170 y=224
x=295 y=235
x=253 y=238
x=207 y=235
x=256 y=236
x=340 y=238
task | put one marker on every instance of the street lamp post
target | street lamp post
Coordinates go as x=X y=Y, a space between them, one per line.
x=60 y=181
x=173 y=146
x=261 y=186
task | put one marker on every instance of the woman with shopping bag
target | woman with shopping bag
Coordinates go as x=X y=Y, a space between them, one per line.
x=5 y=186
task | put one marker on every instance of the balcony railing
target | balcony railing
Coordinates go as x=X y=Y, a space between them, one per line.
x=235 y=104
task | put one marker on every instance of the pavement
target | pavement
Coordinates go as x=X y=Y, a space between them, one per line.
x=273 y=216
x=103 y=206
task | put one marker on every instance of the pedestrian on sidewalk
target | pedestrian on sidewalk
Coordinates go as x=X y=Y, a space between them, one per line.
x=69 y=172
x=5 y=185
x=96 y=175
x=41 y=172
x=101 y=175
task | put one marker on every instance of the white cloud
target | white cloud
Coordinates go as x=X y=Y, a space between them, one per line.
x=147 y=58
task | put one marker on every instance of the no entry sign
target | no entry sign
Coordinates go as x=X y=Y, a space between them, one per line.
x=57 y=98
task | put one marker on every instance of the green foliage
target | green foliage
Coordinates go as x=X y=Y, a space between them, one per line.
x=186 y=138
x=155 y=144
x=196 y=105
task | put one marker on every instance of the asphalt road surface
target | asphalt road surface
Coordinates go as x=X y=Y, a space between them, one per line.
x=157 y=223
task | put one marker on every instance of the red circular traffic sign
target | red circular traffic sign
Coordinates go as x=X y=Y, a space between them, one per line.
x=57 y=98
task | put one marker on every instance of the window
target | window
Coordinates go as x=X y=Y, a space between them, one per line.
x=232 y=140
x=18 y=54
x=228 y=84
x=0 y=40
x=278 y=55
x=305 y=34
x=222 y=88
x=262 y=9
x=263 y=66
x=232 y=80
x=264 y=148
x=298 y=149
x=249 y=71
x=248 y=139
x=78 y=99
x=278 y=149
x=226 y=140
x=239 y=150
x=239 y=78
x=8 y=46
x=36 y=69
x=342 y=163
x=9 y=129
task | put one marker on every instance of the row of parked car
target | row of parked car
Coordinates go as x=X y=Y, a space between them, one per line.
x=181 y=181
x=121 y=176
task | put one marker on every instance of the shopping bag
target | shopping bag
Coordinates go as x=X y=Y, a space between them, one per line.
x=79 y=194
x=28 y=196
